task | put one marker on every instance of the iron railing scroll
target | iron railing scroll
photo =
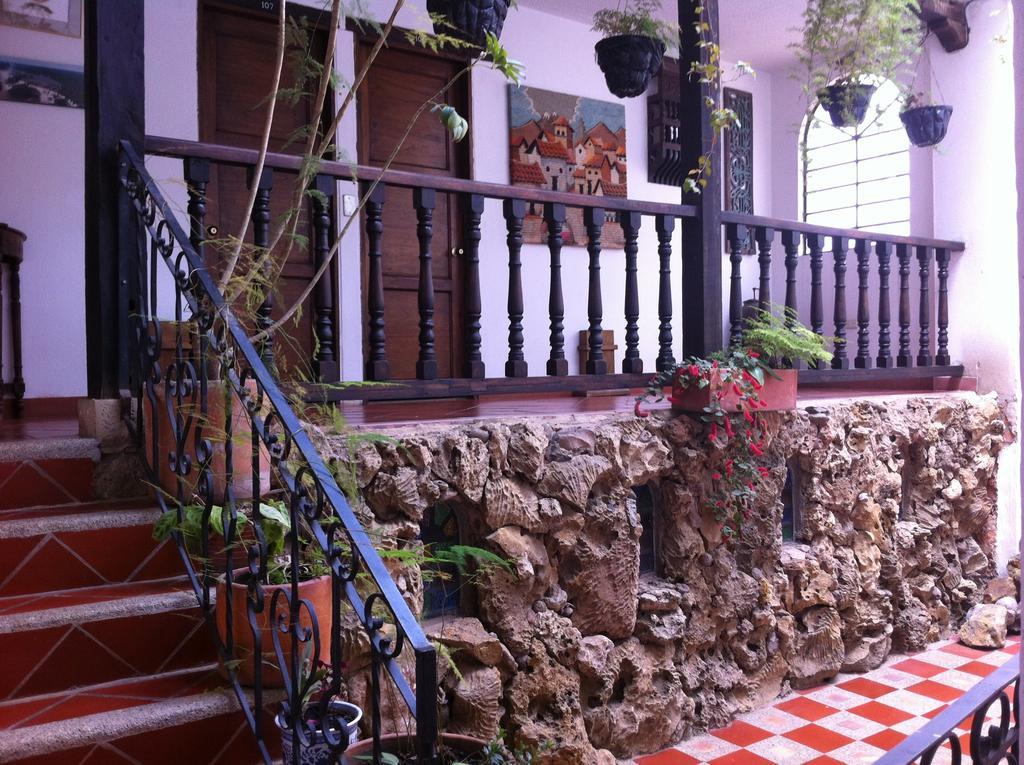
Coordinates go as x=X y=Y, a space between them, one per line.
x=196 y=404
x=990 y=742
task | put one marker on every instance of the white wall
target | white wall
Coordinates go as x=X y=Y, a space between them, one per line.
x=42 y=184
x=976 y=201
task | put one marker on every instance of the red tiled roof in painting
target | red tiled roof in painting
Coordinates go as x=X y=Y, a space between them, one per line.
x=552 y=150
x=528 y=173
x=614 y=189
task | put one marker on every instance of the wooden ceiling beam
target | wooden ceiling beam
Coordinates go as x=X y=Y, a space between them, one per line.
x=947 y=19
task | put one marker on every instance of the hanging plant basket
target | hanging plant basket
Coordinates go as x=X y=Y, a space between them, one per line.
x=470 y=20
x=926 y=125
x=847 y=105
x=629 y=62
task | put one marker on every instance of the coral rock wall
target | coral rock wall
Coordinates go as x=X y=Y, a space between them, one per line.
x=575 y=647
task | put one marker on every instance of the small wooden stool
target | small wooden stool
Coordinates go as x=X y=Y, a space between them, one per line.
x=12 y=244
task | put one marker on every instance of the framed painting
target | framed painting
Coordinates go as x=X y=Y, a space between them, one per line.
x=570 y=144
x=36 y=82
x=61 y=17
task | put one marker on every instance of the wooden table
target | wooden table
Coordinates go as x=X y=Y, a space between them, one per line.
x=12 y=244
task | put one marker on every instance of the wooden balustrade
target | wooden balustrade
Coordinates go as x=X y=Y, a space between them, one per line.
x=873 y=356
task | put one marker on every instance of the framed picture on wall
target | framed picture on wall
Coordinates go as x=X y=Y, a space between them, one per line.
x=61 y=17
x=37 y=82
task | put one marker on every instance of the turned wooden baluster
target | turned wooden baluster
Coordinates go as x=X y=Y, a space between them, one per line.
x=554 y=216
x=593 y=220
x=665 y=225
x=840 y=357
x=815 y=242
x=736 y=236
x=924 y=262
x=377 y=367
x=863 y=250
x=791 y=246
x=261 y=239
x=884 y=252
x=425 y=200
x=765 y=237
x=631 y=362
x=197 y=178
x=942 y=357
x=474 y=366
x=515 y=211
x=904 y=357
x=326 y=361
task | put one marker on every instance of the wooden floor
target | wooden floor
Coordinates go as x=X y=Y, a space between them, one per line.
x=35 y=427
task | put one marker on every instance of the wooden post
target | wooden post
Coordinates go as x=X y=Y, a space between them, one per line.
x=115 y=101
x=701 y=236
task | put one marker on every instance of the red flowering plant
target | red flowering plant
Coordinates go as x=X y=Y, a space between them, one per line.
x=734 y=379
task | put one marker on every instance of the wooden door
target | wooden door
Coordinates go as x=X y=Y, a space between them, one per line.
x=399 y=81
x=236 y=70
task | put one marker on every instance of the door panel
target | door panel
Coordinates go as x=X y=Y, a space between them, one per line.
x=399 y=82
x=236 y=70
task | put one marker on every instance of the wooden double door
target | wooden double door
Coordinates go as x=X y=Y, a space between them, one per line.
x=236 y=68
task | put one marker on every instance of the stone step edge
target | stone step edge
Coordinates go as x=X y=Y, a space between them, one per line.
x=64 y=521
x=69 y=448
x=75 y=732
x=104 y=610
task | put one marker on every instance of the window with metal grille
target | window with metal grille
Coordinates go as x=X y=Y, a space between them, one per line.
x=859 y=177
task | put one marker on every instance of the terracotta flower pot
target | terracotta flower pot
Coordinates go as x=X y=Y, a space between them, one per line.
x=779 y=394
x=316 y=591
x=213 y=425
x=464 y=746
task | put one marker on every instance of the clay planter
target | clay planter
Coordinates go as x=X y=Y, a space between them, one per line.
x=470 y=20
x=926 y=125
x=316 y=591
x=779 y=393
x=847 y=105
x=214 y=425
x=318 y=752
x=463 y=746
x=629 y=62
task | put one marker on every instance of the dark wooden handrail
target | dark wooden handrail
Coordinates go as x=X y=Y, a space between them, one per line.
x=781 y=224
x=230 y=155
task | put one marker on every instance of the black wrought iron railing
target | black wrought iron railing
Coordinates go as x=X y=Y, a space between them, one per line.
x=222 y=440
x=993 y=739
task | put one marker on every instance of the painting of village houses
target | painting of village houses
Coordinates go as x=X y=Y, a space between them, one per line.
x=571 y=144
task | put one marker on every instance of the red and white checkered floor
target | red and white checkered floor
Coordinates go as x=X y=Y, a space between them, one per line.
x=852 y=720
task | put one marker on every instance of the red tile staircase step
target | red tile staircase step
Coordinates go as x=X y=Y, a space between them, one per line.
x=71 y=546
x=104 y=657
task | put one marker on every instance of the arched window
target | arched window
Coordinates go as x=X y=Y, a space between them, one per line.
x=441 y=581
x=859 y=177
x=646 y=509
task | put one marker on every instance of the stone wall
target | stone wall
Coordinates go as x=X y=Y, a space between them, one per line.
x=898 y=506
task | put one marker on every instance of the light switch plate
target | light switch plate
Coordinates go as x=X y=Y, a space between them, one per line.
x=349 y=203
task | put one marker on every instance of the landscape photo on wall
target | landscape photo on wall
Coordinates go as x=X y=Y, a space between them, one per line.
x=35 y=82
x=570 y=144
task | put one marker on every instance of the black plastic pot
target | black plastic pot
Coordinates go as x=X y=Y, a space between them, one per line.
x=847 y=105
x=926 y=125
x=629 y=62
x=470 y=20
x=318 y=752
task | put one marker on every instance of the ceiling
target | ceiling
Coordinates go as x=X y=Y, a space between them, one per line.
x=756 y=31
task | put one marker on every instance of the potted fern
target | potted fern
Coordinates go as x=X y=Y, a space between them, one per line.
x=633 y=47
x=926 y=123
x=469 y=20
x=848 y=46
